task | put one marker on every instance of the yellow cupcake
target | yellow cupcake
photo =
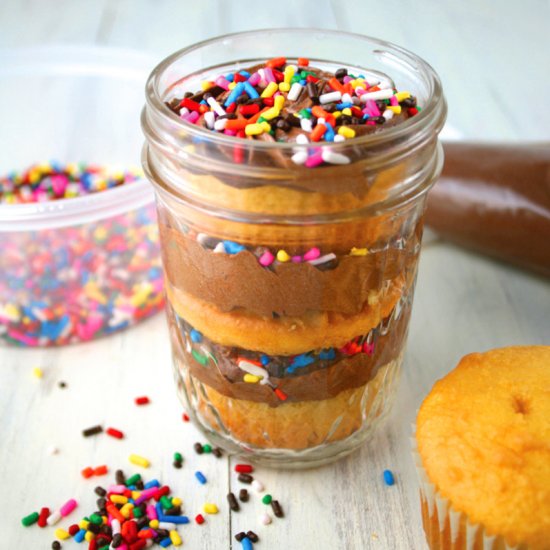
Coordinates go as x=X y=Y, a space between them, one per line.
x=483 y=452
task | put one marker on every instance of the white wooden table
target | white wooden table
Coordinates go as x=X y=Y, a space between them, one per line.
x=463 y=302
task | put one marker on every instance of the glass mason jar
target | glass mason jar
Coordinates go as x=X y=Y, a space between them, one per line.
x=289 y=288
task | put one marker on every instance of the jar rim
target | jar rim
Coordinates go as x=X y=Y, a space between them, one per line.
x=430 y=110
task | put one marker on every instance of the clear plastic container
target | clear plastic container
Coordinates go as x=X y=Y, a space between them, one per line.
x=293 y=360
x=75 y=269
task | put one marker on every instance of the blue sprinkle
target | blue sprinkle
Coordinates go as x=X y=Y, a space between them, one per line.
x=245 y=73
x=303 y=82
x=388 y=477
x=196 y=336
x=165 y=543
x=328 y=354
x=246 y=544
x=250 y=90
x=264 y=359
x=160 y=511
x=203 y=102
x=152 y=483
x=345 y=105
x=302 y=360
x=365 y=117
x=178 y=520
x=232 y=247
x=200 y=477
x=329 y=134
x=79 y=537
x=234 y=94
x=230 y=77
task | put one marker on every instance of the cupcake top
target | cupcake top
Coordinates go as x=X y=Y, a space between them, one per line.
x=483 y=435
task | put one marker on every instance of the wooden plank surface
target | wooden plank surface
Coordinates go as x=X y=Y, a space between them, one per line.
x=463 y=302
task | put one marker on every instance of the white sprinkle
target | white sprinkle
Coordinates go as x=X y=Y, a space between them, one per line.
x=167 y=525
x=258 y=486
x=52 y=450
x=219 y=248
x=321 y=120
x=372 y=80
x=265 y=518
x=209 y=119
x=302 y=139
x=115 y=526
x=379 y=94
x=334 y=158
x=338 y=138
x=388 y=114
x=300 y=157
x=346 y=98
x=219 y=125
x=54 y=517
x=385 y=85
x=305 y=123
x=294 y=92
x=330 y=97
x=323 y=259
x=184 y=111
x=218 y=109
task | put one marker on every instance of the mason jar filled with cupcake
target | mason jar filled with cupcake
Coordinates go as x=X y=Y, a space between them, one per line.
x=291 y=169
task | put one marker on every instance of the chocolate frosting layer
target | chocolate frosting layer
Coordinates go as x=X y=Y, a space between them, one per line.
x=322 y=383
x=495 y=198
x=238 y=281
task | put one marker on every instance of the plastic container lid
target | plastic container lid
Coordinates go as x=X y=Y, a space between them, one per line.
x=72 y=104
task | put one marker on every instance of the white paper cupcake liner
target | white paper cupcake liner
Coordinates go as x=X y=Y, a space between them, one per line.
x=445 y=527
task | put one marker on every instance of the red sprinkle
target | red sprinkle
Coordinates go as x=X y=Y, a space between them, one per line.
x=185 y=417
x=412 y=111
x=311 y=78
x=144 y=400
x=113 y=432
x=190 y=104
x=101 y=470
x=73 y=529
x=279 y=76
x=244 y=468
x=238 y=77
x=276 y=62
x=303 y=62
x=247 y=110
x=42 y=518
x=199 y=519
x=269 y=101
x=281 y=394
x=87 y=472
x=231 y=108
x=165 y=490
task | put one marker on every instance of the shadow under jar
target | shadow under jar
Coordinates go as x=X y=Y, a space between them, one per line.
x=289 y=287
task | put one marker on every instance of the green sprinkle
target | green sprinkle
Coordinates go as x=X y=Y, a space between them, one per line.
x=96 y=519
x=165 y=502
x=137 y=512
x=418 y=108
x=295 y=78
x=261 y=119
x=267 y=499
x=133 y=480
x=198 y=357
x=304 y=113
x=30 y=519
x=178 y=457
x=207 y=448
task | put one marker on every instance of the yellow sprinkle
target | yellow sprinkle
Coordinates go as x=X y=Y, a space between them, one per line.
x=284 y=87
x=232 y=85
x=254 y=130
x=119 y=499
x=206 y=85
x=61 y=534
x=154 y=523
x=12 y=311
x=37 y=372
x=346 y=132
x=210 y=508
x=358 y=251
x=126 y=509
x=135 y=495
x=282 y=256
x=139 y=461
x=270 y=89
x=400 y=96
x=176 y=501
x=337 y=114
x=346 y=111
x=83 y=524
x=271 y=113
x=395 y=108
x=89 y=536
x=289 y=73
x=141 y=294
x=92 y=291
x=278 y=102
x=266 y=126
x=251 y=378
x=175 y=538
